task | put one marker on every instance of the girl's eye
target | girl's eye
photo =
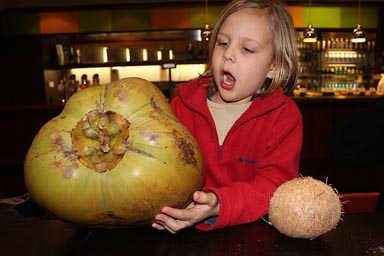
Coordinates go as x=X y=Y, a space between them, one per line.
x=222 y=43
x=248 y=50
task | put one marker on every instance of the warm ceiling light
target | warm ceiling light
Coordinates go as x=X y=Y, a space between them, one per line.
x=358 y=34
x=310 y=34
x=206 y=33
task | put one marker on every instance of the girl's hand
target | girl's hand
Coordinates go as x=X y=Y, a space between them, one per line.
x=203 y=206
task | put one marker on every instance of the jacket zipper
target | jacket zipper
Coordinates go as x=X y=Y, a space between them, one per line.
x=220 y=152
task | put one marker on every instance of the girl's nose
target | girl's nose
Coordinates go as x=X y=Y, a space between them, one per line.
x=228 y=56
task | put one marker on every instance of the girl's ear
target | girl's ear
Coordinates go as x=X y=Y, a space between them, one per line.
x=271 y=71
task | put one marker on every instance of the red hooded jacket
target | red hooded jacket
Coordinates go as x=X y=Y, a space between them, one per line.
x=259 y=153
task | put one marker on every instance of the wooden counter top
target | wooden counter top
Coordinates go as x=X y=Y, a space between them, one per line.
x=356 y=234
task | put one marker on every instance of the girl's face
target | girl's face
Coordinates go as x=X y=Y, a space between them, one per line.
x=242 y=57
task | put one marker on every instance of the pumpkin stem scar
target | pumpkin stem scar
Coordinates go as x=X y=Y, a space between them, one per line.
x=100 y=140
x=104 y=142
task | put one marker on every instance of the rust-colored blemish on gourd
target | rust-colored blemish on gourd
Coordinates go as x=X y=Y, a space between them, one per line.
x=121 y=94
x=58 y=143
x=186 y=150
x=67 y=170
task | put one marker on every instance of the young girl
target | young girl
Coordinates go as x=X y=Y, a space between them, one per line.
x=249 y=132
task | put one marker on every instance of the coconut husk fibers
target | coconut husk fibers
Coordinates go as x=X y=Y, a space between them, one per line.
x=304 y=208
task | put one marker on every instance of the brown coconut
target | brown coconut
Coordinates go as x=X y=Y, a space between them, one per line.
x=304 y=208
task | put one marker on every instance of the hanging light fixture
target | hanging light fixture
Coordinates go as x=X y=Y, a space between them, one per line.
x=310 y=33
x=206 y=32
x=205 y=35
x=358 y=34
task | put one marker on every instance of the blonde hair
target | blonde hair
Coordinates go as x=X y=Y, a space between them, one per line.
x=284 y=44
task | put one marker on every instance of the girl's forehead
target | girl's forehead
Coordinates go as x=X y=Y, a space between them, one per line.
x=248 y=16
x=250 y=20
x=252 y=12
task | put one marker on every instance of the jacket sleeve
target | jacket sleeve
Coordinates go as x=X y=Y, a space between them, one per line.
x=175 y=105
x=246 y=201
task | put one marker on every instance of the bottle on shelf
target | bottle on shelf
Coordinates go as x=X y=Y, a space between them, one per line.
x=72 y=56
x=61 y=91
x=78 y=56
x=84 y=82
x=95 y=80
x=72 y=86
x=191 y=51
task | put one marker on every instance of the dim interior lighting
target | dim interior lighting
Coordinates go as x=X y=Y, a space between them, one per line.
x=105 y=54
x=358 y=34
x=310 y=33
x=145 y=55
x=170 y=52
x=159 y=55
x=127 y=55
x=206 y=32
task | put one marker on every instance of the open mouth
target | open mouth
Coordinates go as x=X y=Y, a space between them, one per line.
x=228 y=80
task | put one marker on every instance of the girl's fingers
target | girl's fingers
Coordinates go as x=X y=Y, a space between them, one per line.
x=157 y=226
x=179 y=214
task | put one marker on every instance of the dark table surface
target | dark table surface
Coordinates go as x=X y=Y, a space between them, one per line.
x=356 y=234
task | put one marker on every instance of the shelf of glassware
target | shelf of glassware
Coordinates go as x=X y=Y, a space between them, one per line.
x=164 y=75
x=345 y=69
x=308 y=61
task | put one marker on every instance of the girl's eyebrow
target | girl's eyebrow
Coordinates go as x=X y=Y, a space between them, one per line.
x=247 y=39
x=222 y=34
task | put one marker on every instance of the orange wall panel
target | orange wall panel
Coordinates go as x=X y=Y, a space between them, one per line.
x=297 y=13
x=59 y=22
x=170 y=18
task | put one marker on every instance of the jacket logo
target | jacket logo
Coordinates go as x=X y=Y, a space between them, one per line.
x=248 y=161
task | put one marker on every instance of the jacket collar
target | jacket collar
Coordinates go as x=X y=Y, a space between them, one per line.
x=194 y=95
